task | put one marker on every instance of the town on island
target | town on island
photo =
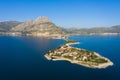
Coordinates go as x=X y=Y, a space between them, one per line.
x=78 y=56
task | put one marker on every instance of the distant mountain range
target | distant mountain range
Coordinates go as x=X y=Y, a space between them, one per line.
x=43 y=26
x=7 y=25
x=96 y=30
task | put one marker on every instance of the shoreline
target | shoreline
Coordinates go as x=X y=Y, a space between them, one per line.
x=82 y=63
x=100 y=66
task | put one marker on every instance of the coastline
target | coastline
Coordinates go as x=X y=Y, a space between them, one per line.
x=100 y=66
x=87 y=64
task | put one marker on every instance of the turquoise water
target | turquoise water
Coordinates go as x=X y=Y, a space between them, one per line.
x=22 y=58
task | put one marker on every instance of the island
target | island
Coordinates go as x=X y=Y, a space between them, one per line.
x=78 y=56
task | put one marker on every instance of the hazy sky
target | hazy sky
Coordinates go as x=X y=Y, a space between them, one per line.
x=65 y=13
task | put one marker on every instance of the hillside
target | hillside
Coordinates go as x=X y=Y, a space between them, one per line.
x=42 y=26
x=7 y=25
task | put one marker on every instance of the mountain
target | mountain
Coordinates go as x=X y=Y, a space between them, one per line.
x=115 y=29
x=7 y=25
x=97 y=30
x=42 y=26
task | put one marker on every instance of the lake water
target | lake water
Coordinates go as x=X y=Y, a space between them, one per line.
x=22 y=58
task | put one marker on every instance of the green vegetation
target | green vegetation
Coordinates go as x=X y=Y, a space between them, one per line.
x=73 y=49
x=69 y=57
x=101 y=61
x=70 y=41
x=93 y=56
x=57 y=55
x=97 y=60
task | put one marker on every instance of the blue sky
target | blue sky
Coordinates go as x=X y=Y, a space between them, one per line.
x=64 y=13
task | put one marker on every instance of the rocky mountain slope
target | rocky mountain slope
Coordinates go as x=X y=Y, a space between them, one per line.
x=42 y=26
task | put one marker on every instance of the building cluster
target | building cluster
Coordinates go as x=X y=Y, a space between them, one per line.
x=75 y=53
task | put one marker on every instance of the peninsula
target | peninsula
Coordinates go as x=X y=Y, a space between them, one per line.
x=78 y=56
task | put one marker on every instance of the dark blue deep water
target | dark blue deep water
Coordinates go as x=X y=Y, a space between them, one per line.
x=22 y=58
